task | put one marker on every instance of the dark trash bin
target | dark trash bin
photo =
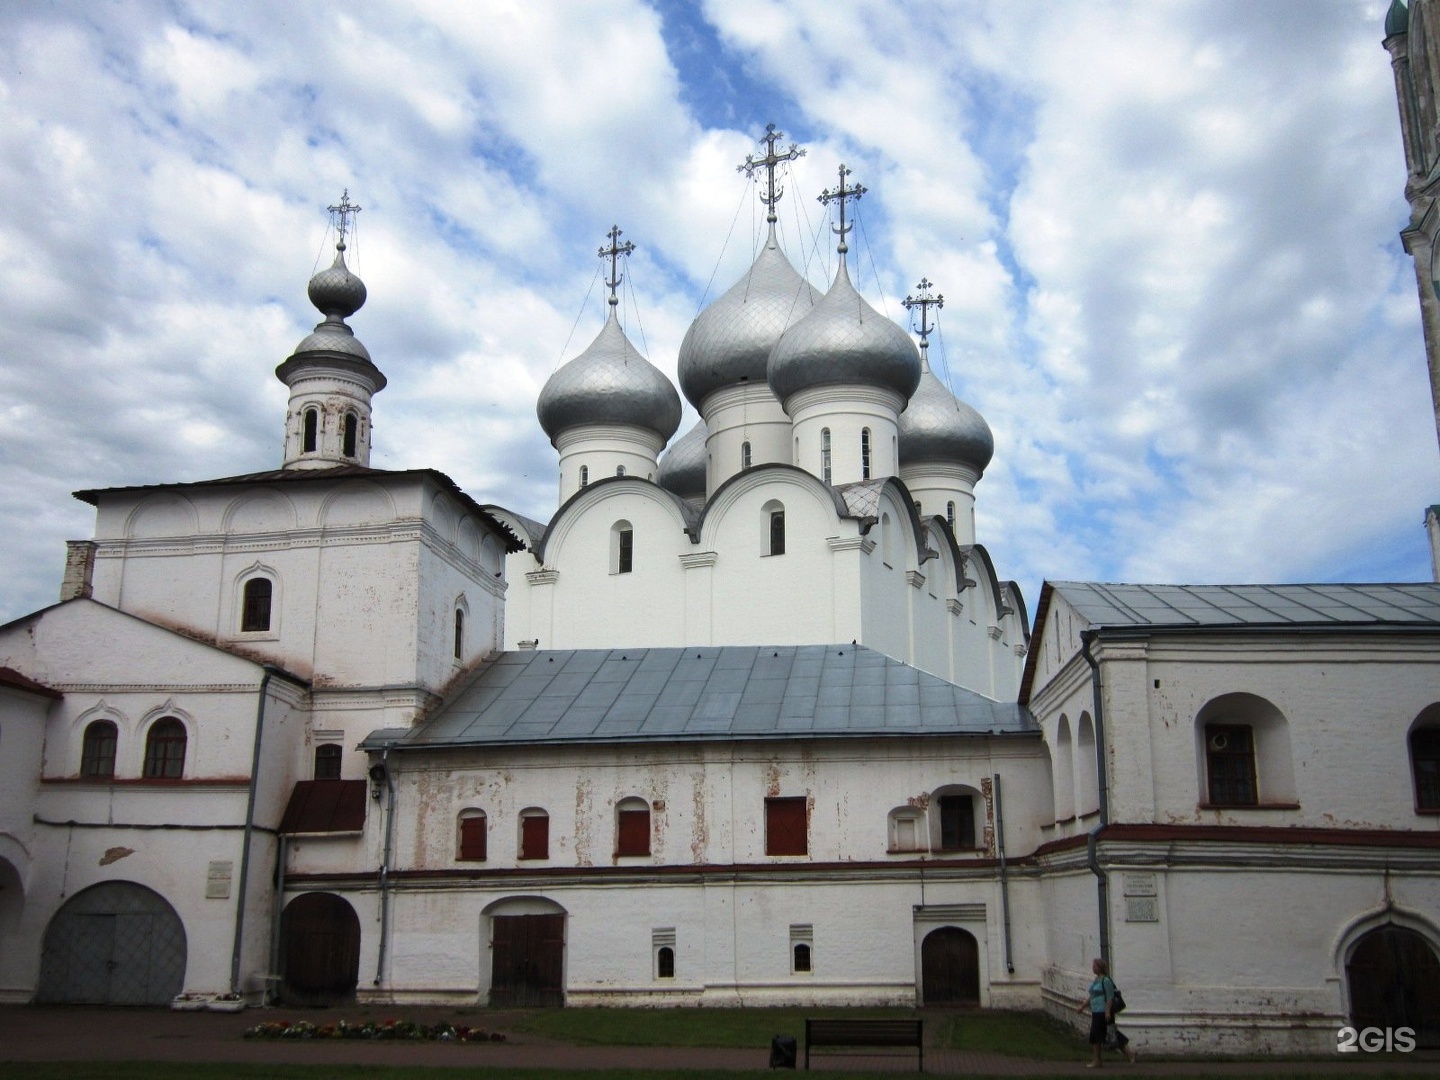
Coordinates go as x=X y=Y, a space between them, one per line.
x=782 y=1052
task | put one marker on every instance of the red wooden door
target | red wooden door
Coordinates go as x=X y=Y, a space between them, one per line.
x=527 y=955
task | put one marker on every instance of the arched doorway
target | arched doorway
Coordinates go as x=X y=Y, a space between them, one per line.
x=1394 y=979
x=527 y=952
x=950 y=967
x=320 y=941
x=116 y=943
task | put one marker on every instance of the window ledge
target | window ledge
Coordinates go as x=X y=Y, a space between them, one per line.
x=1427 y=810
x=147 y=781
x=1064 y=820
x=905 y=851
x=1250 y=806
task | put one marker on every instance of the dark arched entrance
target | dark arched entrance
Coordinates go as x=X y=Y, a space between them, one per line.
x=1394 y=979
x=320 y=939
x=116 y=943
x=950 y=967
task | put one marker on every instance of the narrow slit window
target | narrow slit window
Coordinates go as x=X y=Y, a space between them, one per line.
x=584 y=476
x=825 y=454
x=312 y=430
x=745 y=455
x=865 y=454
x=950 y=515
x=352 y=433
x=459 y=634
x=625 y=554
x=777 y=532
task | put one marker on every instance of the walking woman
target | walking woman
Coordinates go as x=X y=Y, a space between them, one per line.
x=1101 y=1002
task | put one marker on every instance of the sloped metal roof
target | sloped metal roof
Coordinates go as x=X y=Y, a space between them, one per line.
x=666 y=695
x=1105 y=605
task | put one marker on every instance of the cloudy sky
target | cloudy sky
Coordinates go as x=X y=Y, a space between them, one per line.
x=1166 y=233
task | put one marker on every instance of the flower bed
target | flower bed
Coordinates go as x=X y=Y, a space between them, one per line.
x=371 y=1029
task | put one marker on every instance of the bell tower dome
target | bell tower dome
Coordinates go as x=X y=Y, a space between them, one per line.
x=330 y=375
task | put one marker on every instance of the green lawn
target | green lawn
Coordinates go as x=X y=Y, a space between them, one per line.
x=675 y=1027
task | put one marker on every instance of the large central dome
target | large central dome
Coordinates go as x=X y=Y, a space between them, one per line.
x=730 y=341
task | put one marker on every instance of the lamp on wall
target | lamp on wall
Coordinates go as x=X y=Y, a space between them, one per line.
x=377 y=780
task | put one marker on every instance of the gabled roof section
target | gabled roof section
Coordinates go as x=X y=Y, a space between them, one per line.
x=707 y=694
x=15 y=681
x=1185 y=606
x=300 y=476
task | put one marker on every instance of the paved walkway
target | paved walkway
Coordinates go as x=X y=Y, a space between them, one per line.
x=38 y=1033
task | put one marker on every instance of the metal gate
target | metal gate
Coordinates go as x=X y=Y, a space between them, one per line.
x=320 y=934
x=1394 y=981
x=950 y=967
x=116 y=943
x=527 y=960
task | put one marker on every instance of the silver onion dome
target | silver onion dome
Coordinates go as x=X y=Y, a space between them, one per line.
x=337 y=293
x=682 y=467
x=730 y=341
x=938 y=426
x=609 y=383
x=843 y=342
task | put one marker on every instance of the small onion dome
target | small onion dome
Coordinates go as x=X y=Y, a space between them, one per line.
x=1397 y=19
x=682 y=467
x=938 y=426
x=843 y=342
x=609 y=383
x=730 y=341
x=337 y=293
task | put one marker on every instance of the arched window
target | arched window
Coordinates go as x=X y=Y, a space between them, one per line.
x=470 y=836
x=953 y=820
x=1064 y=771
x=584 y=476
x=665 y=962
x=459 y=634
x=534 y=834
x=165 y=750
x=1087 y=775
x=97 y=757
x=327 y=761
x=1425 y=764
x=352 y=433
x=632 y=827
x=619 y=470
x=918 y=512
x=950 y=515
x=802 y=941
x=865 y=453
x=745 y=455
x=825 y=454
x=622 y=548
x=773 y=523
x=1244 y=753
x=312 y=430
x=255 y=604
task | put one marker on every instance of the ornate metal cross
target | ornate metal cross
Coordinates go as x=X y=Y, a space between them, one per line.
x=771 y=195
x=841 y=194
x=924 y=301
x=613 y=253
x=343 y=211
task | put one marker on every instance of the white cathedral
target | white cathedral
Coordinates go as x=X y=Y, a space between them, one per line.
x=751 y=720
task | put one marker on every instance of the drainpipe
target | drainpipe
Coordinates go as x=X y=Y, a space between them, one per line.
x=249 y=831
x=1102 y=884
x=385 y=864
x=1004 y=880
x=281 y=853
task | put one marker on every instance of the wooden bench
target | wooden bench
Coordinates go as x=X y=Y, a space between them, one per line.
x=866 y=1033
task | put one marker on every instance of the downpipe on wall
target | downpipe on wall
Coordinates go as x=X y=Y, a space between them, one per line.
x=385 y=864
x=1092 y=854
x=1004 y=878
x=249 y=833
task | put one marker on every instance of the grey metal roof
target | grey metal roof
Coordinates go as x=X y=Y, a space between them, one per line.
x=682 y=467
x=938 y=426
x=1104 y=605
x=707 y=693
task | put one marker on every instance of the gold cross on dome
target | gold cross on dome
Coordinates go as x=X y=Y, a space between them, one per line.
x=771 y=195
x=613 y=253
x=841 y=194
x=343 y=211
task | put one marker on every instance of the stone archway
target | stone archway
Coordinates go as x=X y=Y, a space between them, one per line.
x=1394 y=980
x=116 y=943
x=320 y=946
x=950 y=967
